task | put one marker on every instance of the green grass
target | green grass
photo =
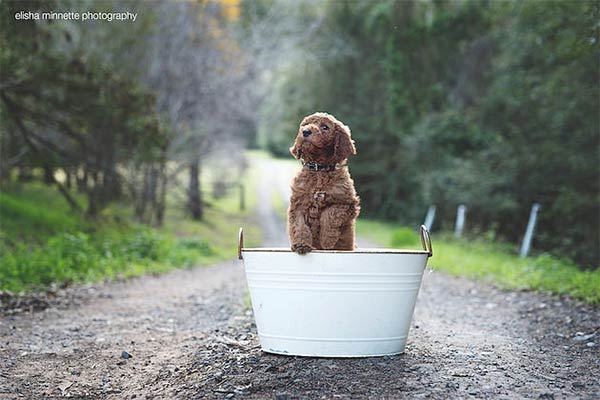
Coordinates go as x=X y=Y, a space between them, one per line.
x=381 y=233
x=493 y=263
x=81 y=257
x=34 y=212
x=42 y=242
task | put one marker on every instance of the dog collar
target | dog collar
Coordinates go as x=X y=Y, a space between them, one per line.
x=318 y=167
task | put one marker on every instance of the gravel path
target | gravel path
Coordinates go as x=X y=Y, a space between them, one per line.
x=466 y=341
x=190 y=336
x=275 y=178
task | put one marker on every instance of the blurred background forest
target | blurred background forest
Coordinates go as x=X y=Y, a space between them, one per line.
x=491 y=104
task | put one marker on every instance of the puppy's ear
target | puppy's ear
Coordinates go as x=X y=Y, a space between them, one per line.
x=344 y=145
x=296 y=151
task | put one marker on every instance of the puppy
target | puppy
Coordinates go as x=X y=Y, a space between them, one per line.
x=324 y=205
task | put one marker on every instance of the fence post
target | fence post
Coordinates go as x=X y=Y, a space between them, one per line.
x=460 y=220
x=530 y=228
x=429 y=218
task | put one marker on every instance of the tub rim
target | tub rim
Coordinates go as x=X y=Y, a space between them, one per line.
x=424 y=234
x=362 y=250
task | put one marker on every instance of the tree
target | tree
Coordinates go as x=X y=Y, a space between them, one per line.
x=68 y=111
x=490 y=104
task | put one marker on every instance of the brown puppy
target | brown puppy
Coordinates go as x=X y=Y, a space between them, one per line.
x=324 y=205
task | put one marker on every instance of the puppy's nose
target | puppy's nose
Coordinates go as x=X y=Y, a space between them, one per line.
x=306 y=132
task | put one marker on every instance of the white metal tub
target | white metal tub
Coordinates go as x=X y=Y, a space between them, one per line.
x=332 y=303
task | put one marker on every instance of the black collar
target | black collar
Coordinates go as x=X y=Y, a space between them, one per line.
x=318 y=167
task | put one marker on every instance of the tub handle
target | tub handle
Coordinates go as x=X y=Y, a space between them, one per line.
x=426 y=241
x=240 y=242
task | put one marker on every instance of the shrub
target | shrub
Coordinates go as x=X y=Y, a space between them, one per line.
x=79 y=257
x=404 y=237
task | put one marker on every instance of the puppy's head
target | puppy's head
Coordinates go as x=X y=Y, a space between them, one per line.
x=323 y=139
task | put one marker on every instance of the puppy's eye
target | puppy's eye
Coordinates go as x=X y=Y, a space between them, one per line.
x=324 y=127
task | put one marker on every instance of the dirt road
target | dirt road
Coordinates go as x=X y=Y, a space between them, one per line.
x=188 y=335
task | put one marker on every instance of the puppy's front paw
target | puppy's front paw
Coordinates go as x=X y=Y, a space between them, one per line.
x=301 y=248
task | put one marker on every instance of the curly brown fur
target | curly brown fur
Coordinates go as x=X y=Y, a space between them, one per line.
x=324 y=205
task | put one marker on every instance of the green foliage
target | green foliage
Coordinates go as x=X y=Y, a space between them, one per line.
x=491 y=263
x=63 y=109
x=404 y=238
x=42 y=241
x=498 y=264
x=490 y=104
x=81 y=257
x=34 y=213
x=543 y=105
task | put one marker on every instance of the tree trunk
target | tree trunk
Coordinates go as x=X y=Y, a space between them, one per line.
x=194 y=194
x=94 y=196
x=24 y=174
x=65 y=192
x=82 y=182
x=5 y=173
x=161 y=196
x=68 y=177
x=111 y=188
x=141 y=198
x=92 y=209
x=110 y=179
x=48 y=175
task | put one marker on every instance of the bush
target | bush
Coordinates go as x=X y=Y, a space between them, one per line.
x=80 y=257
x=495 y=263
x=404 y=237
x=23 y=219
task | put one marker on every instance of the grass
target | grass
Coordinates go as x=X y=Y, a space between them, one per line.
x=33 y=213
x=382 y=233
x=43 y=243
x=546 y=273
x=492 y=262
x=82 y=257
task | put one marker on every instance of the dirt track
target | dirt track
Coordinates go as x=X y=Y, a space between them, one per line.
x=190 y=337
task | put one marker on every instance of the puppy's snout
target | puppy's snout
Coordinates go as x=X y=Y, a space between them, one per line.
x=306 y=132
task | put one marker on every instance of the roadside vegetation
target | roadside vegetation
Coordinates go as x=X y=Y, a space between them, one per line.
x=43 y=242
x=491 y=262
